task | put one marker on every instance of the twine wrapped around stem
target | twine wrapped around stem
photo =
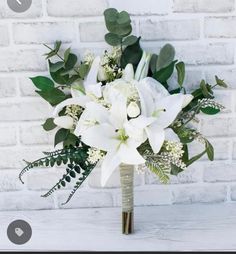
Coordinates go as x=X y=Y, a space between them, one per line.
x=127 y=179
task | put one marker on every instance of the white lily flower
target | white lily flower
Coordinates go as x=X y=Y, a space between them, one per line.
x=110 y=131
x=142 y=69
x=159 y=108
x=91 y=89
x=65 y=122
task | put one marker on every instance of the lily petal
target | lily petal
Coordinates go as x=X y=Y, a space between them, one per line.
x=187 y=99
x=130 y=155
x=110 y=162
x=93 y=73
x=171 y=135
x=102 y=137
x=156 y=136
x=168 y=108
x=128 y=73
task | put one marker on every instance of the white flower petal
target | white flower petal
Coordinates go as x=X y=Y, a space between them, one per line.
x=102 y=137
x=156 y=137
x=94 y=89
x=187 y=99
x=130 y=155
x=65 y=122
x=110 y=162
x=93 y=73
x=168 y=108
x=128 y=73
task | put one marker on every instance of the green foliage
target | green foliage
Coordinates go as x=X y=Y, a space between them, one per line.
x=119 y=26
x=42 y=83
x=161 y=172
x=132 y=54
x=220 y=82
x=54 y=96
x=49 y=124
x=153 y=63
x=166 y=57
x=53 y=51
x=61 y=136
x=164 y=74
x=180 y=67
x=175 y=170
x=210 y=110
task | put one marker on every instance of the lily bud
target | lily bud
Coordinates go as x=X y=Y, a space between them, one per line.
x=142 y=69
x=187 y=99
x=65 y=122
x=128 y=73
x=133 y=109
x=101 y=74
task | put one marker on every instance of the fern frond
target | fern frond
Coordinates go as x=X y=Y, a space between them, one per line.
x=161 y=172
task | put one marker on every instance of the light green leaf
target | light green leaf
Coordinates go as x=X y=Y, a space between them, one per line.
x=112 y=39
x=166 y=56
x=66 y=54
x=180 y=67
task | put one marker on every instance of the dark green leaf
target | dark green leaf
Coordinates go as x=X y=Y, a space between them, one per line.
x=57 y=77
x=210 y=110
x=66 y=54
x=153 y=63
x=210 y=151
x=111 y=15
x=49 y=124
x=56 y=66
x=112 y=39
x=175 y=170
x=164 y=74
x=195 y=158
x=53 y=96
x=83 y=70
x=63 y=183
x=180 y=67
x=185 y=156
x=132 y=54
x=123 y=18
x=61 y=136
x=68 y=179
x=43 y=83
x=70 y=140
x=71 y=61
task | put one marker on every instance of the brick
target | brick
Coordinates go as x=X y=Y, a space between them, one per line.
x=76 y=8
x=233 y=192
x=170 y=29
x=7 y=87
x=199 y=194
x=234 y=150
x=34 y=11
x=27 y=88
x=220 y=27
x=35 y=135
x=113 y=182
x=85 y=199
x=43 y=32
x=192 y=6
x=4 y=39
x=13 y=158
x=142 y=8
x=92 y=31
x=24 y=111
x=9 y=181
x=8 y=136
x=220 y=172
x=22 y=60
x=205 y=54
x=229 y=76
x=219 y=127
x=24 y=201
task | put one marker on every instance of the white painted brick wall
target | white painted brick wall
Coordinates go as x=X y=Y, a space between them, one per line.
x=204 y=36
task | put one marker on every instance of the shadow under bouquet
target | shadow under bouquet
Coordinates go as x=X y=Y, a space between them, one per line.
x=118 y=110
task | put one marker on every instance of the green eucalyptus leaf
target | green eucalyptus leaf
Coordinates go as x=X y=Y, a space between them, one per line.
x=164 y=74
x=166 y=57
x=42 y=83
x=49 y=124
x=180 y=67
x=130 y=40
x=123 y=18
x=110 y=15
x=70 y=140
x=57 y=76
x=61 y=136
x=112 y=39
x=83 y=70
x=57 y=46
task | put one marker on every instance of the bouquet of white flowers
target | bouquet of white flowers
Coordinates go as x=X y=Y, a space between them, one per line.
x=118 y=110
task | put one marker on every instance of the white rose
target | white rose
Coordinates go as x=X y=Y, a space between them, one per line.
x=65 y=122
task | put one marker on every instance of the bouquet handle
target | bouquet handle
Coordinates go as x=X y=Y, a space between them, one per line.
x=127 y=190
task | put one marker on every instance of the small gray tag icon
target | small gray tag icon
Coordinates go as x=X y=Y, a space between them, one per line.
x=19 y=5
x=19 y=232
